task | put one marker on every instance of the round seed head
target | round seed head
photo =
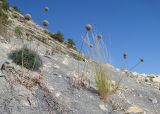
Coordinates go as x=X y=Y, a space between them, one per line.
x=125 y=55
x=88 y=27
x=45 y=23
x=141 y=60
x=46 y=9
x=99 y=36
x=28 y=17
x=90 y=45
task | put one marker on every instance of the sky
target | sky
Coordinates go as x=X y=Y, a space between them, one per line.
x=131 y=26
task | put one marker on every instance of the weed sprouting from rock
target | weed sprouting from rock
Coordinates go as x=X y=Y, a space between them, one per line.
x=103 y=82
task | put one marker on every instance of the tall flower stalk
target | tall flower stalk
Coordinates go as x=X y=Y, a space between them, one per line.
x=85 y=38
x=141 y=60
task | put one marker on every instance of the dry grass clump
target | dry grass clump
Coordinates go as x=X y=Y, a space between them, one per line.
x=103 y=82
x=29 y=80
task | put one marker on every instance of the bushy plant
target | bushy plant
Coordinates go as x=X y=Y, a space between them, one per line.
x=26 y=58
x=16 y=9
x=70 y=43
x=58 y=36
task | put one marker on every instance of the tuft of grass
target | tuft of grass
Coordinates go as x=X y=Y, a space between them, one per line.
x=103 y=82
x=26 y=58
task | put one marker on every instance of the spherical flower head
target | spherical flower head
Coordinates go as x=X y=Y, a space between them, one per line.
x=28 y=17
x=88 y=27
x=125 y=55
x=90 y=45
x=141 y=60
x=46 y=9
x=45 y=23
x=99 y=36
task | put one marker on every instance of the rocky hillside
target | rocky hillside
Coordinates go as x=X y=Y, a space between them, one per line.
x=52 y=90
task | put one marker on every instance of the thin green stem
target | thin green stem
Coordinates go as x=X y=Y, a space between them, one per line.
x=35 y=58
x=79 y=54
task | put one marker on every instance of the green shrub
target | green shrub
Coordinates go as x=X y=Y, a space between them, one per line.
x=4 y=5
x=79 y=57
x=70 y=43
x=103 y=82
x=58 y=36
x=31 y=60
x=16 y=9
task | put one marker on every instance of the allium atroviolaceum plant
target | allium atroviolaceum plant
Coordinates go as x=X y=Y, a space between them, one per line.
x=28 y=17
x=90 y=45
x=99 y=36
x=125 y=55
x=88 y=27
x=141 y=60
x=46 y=9
x=45 y=23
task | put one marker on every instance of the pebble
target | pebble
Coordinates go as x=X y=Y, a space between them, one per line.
x=91 y=97
x=58 y=94
x=102 y=107
x=140 y=95
x=153 y=100
x=56 y=66
x=59 y=76
x=65 y=61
